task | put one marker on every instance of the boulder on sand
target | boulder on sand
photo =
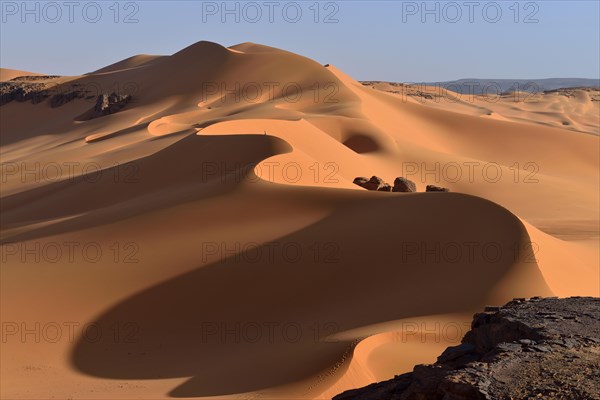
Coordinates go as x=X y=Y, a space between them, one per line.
x=402 y=184
x=375 y=184
x=433 y=188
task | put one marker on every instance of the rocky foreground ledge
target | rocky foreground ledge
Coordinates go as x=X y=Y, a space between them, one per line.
x=538 y=348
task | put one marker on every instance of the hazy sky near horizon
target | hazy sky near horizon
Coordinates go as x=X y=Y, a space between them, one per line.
x=410 y=41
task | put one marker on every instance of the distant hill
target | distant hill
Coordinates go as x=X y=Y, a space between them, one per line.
x=480 y=86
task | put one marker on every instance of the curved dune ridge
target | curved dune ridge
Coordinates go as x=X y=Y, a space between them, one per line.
x=128 y=63
x=234 y=257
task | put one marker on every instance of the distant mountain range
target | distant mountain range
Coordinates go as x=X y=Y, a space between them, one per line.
x=490 y=86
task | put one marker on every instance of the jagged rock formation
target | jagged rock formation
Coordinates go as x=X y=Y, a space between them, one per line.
x=109 y=104
x=39 y=88
x=528 y=349
x=402 y=184
x=23 y=91
x=360 y=181
x=375 y=184
x=433 y=188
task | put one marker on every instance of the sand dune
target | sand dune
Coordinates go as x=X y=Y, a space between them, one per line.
x=128 y=63
x=222 y=250
x=574 y=108
x=7 y=74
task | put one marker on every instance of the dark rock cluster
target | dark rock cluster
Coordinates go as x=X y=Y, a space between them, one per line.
x=433 y=188
x=538 y=348
x=404 y=185
x=28 y=88
x=375 y=184
x=109 y=104
x=37 y=89
x=29 y=78
x=401 y=184
x=35 y=92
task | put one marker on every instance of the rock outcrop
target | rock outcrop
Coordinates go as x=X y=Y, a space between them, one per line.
x=36 y=89
x=361 y=181
x=433 y=188
x=539 y=348
x=27 y=88
x=30 y=78
x=23 y=91
x=374 y=184
x=402 y=184
x=107 y=104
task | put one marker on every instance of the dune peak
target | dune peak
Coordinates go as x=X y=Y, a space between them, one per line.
x=251 y=47
x=203 y=47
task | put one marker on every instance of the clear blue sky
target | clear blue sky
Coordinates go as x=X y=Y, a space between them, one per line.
x=378 y=40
